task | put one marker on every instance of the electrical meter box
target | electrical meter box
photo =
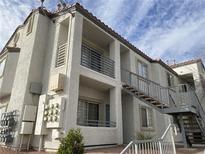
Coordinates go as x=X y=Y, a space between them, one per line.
x=54 y=113
x=56 y=82
x=29 y=113
x=40 y=128
x=26 y=128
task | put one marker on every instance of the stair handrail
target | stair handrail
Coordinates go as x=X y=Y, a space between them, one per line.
x=198 y=101
x=143 y=78
x=171 y=97
x=148 y=86
x=198 y=105
x=166 y=131
x=157 y=142
x=200 y=109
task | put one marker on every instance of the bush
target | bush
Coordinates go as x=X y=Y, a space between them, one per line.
x=72 y=143
x=143 y=136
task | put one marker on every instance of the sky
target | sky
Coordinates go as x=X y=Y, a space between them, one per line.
x=173 y=30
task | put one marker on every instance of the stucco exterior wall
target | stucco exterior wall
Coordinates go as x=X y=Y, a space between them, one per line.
x=29 y=68
x=9 y=73
x=196 y=70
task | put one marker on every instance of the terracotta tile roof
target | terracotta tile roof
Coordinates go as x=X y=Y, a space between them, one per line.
x=164 y=65
x=189 y=62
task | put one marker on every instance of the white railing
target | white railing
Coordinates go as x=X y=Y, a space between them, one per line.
x=148 y=87
x=163 y=145
x=187 y=96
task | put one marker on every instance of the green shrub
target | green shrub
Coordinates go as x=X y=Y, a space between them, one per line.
x=72 y=143
x=143 y=136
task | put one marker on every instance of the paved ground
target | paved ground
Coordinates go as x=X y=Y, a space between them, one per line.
x=190 y=151
x=198 y=150
x=115 y=150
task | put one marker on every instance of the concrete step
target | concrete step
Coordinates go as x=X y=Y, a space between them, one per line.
x=193 y=130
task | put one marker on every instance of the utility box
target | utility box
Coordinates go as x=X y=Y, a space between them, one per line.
x=26 y=128
x=35 y=88
x=56 y=82
x=54 y=113
x=40 y=128
x=29 y=113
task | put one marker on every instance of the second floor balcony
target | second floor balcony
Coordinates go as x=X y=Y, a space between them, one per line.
x=96 y=61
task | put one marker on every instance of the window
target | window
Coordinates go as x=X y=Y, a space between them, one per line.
x=183 y=88
x=2 y=66
x=107 y=115
x=16 y=38
x=30 y=25
x=88 y=113
x=146 y=117
x=202 y=80
x=170 y=80
x=142 y=69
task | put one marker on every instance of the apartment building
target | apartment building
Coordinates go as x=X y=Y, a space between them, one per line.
x=67 y=69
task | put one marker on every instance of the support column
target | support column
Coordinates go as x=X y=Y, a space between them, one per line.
x=116 y=111
x=115 y=93
x=183 y=131
x=73 y=72
x=115 y=55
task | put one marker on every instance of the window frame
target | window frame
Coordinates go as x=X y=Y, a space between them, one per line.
x=170 y=80
x=141 y=73
x=3 y=70
x=149 y=118
x=183 y=88
x=86 y=103
x=30 y=25
x=16 y=39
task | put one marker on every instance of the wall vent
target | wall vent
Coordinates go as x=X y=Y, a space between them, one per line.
x=61 y=55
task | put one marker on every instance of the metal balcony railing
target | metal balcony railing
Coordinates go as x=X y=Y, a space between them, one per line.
x=94 y=60
x=148 y=87
x=96 y=123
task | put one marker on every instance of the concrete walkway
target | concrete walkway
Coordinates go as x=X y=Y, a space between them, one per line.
x=113 y=150
x=117 y=150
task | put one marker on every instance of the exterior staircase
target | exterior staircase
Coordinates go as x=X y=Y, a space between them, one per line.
x=184 y=106
x=144 y=97
x=192 y=129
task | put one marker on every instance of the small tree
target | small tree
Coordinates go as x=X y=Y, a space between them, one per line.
x=72 y=143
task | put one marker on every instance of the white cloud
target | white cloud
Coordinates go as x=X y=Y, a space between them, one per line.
x=140 y=11
x=169 y=25
x=182 y=33
x=12 y=14
x=182 y=38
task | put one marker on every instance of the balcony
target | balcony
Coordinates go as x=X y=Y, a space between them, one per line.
x=96 y=61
